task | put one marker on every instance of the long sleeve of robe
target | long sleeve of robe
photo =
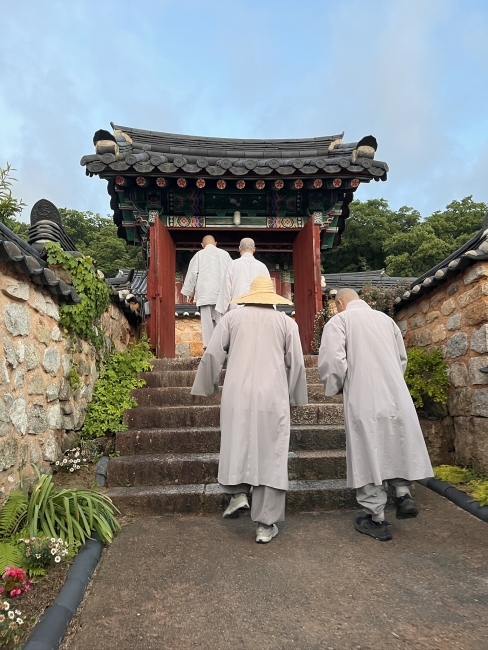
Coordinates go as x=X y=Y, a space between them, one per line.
x=237 y=280
x=362 y=353
x=265 y=374
x=205 y=275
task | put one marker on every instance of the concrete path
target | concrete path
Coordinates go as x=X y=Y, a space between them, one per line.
x=187 y=582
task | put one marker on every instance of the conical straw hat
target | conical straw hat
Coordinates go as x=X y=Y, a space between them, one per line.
x=261 y=293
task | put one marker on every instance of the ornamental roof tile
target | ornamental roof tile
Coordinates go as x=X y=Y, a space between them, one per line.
x=171 y=153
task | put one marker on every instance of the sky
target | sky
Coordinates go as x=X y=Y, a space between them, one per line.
x=410 y=72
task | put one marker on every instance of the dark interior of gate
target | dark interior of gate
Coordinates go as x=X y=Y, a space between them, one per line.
x=291 y=196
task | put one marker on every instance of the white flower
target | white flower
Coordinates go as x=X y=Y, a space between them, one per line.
x=38 y=556
x=19 y=621
x=6 y=606
x=18 y=612
x=2 y=618
x=11 y=614
x=60 y=541
x=57 y=558
x=71 y=469
x=57 y=462
x=77 y=454
x=53 y=540
x=53 y=551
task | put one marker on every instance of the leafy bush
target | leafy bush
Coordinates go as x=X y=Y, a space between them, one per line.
x=12 y=520
x=82 y=318
x=112 y=394
x=39 y=553
x=382 y=298
x=10 y=621
x=426 y=376
x=453 y=474
x=479 y=491
x=14 y=582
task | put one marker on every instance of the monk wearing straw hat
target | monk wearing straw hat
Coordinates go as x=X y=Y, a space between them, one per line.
x=265 y=375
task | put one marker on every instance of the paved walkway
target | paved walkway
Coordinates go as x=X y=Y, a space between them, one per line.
x=202 y=582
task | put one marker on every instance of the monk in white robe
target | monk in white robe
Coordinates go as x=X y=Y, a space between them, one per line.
x=203 y=281
x=265 y=375
x=362 y=354
x=239 y=275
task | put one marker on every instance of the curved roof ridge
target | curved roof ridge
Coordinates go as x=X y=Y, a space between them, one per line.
x=145 y=133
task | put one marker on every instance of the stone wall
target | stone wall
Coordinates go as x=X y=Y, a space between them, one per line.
x=38 y=407
x=454 y=317
x=188 y=337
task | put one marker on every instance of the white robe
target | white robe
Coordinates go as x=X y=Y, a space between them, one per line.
x=362 y=352
x=238 y=277
x=265 y=375
x=205 y=274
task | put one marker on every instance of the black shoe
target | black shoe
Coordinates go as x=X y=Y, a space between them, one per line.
x=406 y=507
x=375 y=529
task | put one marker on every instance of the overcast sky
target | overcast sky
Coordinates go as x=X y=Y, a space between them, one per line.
x=411 y=72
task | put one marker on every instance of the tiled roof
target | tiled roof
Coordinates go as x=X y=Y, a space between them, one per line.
x=168 y=153
x=356 y=281
x=474 y=250
x=26 y=259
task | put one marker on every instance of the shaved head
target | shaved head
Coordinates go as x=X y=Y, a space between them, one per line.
x=344 y=297
x=247 y=245
x=208 y=239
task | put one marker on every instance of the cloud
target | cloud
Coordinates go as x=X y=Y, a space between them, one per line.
x=409 y=72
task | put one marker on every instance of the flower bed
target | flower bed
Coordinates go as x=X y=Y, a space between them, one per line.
x=472 y=483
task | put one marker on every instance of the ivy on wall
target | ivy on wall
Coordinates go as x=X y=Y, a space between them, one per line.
x=81 y=319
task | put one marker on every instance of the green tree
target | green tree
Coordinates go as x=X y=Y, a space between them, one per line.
x=96 y=236
x=10 y=207
x=370 y=224
x=429 y=242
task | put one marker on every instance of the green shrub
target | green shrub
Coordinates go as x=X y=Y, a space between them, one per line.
x=112 y=394
x=471 y=482
x=426 y=376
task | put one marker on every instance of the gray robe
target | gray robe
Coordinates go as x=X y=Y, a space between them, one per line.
x=265 y=375
x=238 y=277
x=362 y=353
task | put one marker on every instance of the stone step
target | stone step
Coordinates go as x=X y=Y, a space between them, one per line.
x=206 y=440
x=162 y=417
x=167 y=378
x=302 y=496
x=191 y=363
x=181 y=396
x=171 y=469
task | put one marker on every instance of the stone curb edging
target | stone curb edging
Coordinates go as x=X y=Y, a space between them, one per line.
x=48 y=633
x=461 y=499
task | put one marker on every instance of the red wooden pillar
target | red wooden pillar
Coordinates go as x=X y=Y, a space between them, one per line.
x=307 y=289
x=161 y=291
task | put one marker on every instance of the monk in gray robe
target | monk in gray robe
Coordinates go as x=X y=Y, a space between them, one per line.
x=362 y=354
x=239 y=275
x=265 y=375
x=203 y=281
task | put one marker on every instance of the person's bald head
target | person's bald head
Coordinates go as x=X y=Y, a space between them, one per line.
x=344 y=297
x=208 y=239
x=247 y=245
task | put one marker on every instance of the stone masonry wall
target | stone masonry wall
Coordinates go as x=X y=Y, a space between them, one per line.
x=188 y=337
x=454 y=317
x=37 y=405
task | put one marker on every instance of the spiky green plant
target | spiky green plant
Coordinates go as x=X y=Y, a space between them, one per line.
x=71 y=514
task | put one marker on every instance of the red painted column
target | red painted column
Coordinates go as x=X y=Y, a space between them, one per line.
x=161 y=291
x=307 y=289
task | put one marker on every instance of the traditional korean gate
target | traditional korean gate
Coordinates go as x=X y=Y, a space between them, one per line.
x=161 y=291
x=307 y=289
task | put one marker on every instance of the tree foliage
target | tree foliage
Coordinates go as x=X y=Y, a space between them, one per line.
x=10 y=207
x=401 y=241
x=96 y=237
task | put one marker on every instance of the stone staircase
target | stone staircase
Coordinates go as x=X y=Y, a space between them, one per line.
x=169 y=454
